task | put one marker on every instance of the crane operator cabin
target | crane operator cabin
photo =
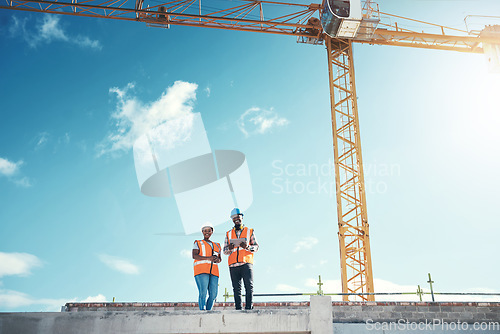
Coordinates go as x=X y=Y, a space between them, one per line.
x=341 y=18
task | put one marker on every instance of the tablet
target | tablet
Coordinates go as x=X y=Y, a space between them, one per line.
x=237 y=242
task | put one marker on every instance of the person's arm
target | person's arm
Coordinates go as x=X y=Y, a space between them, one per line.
x=228 y=248
x=196 y=255
x=253 y=245
x=219 y=257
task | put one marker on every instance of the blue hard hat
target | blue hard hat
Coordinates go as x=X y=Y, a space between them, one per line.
x=236 y=212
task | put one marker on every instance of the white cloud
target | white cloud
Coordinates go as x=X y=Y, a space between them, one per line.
x=134 y=118
x=119 y=264
x=51 y=30
x=380 y=285
x=259 y=121
x=335 y=286
x=10 y=299
x=9 y=168
x=47 y=31
x=207 y=90
x=286 y=288
x=17 y=264
x=24 y=182
x=94 y=299
x=329 y=286
x=305 y=243
x=41 y=140
x=187 y=253
x=14 y=299
x=86 y=42
x=299 y=266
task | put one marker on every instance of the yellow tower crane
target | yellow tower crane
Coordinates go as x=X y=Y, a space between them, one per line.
x=335 y=23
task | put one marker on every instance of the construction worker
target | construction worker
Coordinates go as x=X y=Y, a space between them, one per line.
x=206 y=255
x=240 y=258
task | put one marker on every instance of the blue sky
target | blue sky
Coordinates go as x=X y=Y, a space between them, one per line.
x=74 y=225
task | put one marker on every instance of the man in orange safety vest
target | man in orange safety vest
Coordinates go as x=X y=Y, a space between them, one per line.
x=240 y=245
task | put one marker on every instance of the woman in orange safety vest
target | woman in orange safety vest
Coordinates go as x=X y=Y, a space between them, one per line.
x=206 y=255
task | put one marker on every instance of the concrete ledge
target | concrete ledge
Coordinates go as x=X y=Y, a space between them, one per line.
x=319 y=316
x=279 y=321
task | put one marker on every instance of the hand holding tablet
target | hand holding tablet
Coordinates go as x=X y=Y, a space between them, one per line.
x=237 y=242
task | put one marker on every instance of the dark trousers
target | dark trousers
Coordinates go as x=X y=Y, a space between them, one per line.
x=244 y=272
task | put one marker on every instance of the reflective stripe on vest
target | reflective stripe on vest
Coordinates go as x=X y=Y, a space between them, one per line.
x=240 y=255
x=206 y=266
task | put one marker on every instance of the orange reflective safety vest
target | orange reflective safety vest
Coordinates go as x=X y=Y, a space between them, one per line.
x=239 y=254
x=206 y=266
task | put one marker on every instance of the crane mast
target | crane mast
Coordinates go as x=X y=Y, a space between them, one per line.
x=301 y=21
x=354 y=236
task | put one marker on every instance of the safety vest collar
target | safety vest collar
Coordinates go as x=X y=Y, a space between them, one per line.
x=243 y=233
x=241 y=228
